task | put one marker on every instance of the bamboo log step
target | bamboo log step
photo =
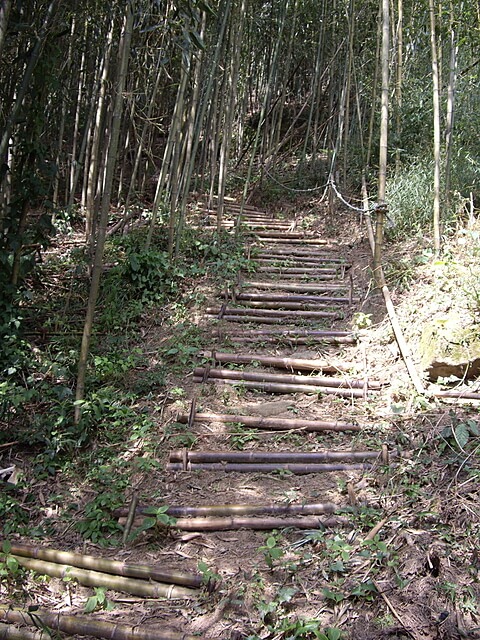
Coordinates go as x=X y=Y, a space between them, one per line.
x=322 y=333
x=324 y=271
x=207 y=373
x=298 y=469
x=290 y=286
x=290 y=306
x=299 y=364
x=276 y=320
x=280 y=297
x=273 y=457
x=271 y=424
x=234 y=523
x=287 y=341
x=277 y=387
x=106 y=565
x=78 y=625
x=299 y=276
x=293 y=253
x=271 y=313
x=302 y=262
x=221 y=510
x=265 y=240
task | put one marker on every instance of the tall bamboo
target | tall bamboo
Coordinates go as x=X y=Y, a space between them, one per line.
x=436 y=130
x=124 y=54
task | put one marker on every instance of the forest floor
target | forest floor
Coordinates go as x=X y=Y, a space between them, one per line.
x=403 y=558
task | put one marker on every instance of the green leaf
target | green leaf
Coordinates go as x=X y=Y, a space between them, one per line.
x=91 y=604
x=286 y=594
x=333 y=634
x=271 y=542
x=12 y=564
x=6 y=546
x=473 y=427
x=461 y=434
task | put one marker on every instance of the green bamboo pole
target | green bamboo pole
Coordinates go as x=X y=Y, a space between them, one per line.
x=97 y=579
x=115 y=567
x=86 y=626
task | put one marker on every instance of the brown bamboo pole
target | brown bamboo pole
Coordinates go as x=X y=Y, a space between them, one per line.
x=297 y=469
x=288 y=339
x=319 y=381
x=86 y=626
x=323 y=333
x=221 y=510
x=298 y=252
x=271 y=313
x=272 y=457
x=97 y=579
x=256 y=524
x=294 y=241
x=313 y=276
x=272 y=387
x=278 y=297
x=289 y=286
x=145 y=572
x=324 y=271
x=289 y=306
x=280 y=363
x=275 y=320
x=260 y=422
x=467 y=395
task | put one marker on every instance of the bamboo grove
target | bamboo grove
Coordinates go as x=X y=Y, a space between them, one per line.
x=127 y=109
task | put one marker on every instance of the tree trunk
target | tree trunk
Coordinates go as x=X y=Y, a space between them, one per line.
x=124 y=53
x=436 y=131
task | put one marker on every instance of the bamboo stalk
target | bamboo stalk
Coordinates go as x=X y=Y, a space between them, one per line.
x=299 y=270
x=96 y=579
x=321 y=333
x=297 y=469
x=219 y=510
x=279 y=297
x=467 y=395
x=280 y=363
x=272 y=457
x=290 y=341
x=86 y=626
x=270 y=313
x=10 y=632
x=291 y=286
x=299 y=276
x=272 y=387
x=291 y=306
x=260 y=422
x=256 y=524
x=275 y=320
x=318 y=381
x=145 y=572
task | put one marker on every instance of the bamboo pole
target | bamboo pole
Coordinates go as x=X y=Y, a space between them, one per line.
x=10 y=632
x=271 y=313
x=289 y=306
x=289 y=286
x=319 y=381
x=271 y=457
x=288 y=340
x=220 y=510
x=115 y=567
x=296 y=469
x=280 y=363
x=278 y=297
x=86 y=626
x=274 y=424
x=97 y=579
x=324 y=271
x=259 y=319
x=272 y=387
x=256 y=524
x=453 y=393
x=302 y=333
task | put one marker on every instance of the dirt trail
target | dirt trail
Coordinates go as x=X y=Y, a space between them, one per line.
x=277 y=412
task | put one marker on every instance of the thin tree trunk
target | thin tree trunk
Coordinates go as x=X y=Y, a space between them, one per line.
x=398 y=84
x=124 y=51
x=452 y=83
x=436 y=130
x=382 y=168
x=4 y=15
